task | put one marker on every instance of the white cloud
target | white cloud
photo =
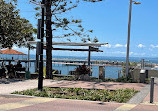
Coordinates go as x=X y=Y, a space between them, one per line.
x=108 y=46
x=141 y=46
x=124 y=53
x=89 y=42
x=14 y=47
x=115 y=46
x=131 y=53
x=139 y=54
x=119 y=45
x=118 y=52
x=154 y=46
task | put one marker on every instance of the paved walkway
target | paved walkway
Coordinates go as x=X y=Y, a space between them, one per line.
x=25 y=103
x=99 y=85
x=147 y=98
x=54 y=104
x=9 y=86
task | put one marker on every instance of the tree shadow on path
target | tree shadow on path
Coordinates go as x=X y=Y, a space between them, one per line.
x=9 y=81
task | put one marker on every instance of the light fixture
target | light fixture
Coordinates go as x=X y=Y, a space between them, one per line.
x=137 y=3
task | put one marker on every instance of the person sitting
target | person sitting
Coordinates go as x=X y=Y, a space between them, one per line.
x=19 y=65
x=2 y=72
x=10 y=69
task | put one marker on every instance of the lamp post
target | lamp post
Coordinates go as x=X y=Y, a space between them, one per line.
x=128 y=37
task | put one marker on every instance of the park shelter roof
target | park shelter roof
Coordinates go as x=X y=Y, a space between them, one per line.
x=11 y=51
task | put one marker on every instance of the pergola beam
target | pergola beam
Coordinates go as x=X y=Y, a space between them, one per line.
x=72 y=44
x=71 y=49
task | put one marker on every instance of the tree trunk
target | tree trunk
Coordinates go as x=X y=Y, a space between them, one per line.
x=48 y=40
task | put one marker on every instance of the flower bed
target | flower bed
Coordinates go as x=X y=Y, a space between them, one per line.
x=121 y=95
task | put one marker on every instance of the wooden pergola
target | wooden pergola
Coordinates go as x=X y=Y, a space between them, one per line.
x=72 y=43
x=92 y=47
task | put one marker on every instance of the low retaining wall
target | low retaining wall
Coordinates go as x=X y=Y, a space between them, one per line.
x=136 y=76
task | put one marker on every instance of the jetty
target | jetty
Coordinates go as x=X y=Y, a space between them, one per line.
x=81 y=61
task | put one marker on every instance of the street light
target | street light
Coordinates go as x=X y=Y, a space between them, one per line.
x=128 y=37
x=137 y=3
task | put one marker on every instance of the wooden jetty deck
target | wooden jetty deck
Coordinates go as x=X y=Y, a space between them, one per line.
x=81 y=61
x=87 y=64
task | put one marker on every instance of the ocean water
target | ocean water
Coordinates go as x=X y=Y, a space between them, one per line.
x=110 y=72
x=132 y=59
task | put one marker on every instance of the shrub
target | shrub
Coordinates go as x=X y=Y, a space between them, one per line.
x=121 y=95
x=82 y=70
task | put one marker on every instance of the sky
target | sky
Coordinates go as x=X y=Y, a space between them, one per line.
x=109 y=20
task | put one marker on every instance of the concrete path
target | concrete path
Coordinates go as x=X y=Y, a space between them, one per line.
x=144 y=95
x=9 y=86
x=139 y=97
x=147 y=98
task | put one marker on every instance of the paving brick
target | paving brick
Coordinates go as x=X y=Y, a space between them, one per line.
x=97 y=85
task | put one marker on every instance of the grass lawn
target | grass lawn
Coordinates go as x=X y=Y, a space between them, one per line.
x=121 y=95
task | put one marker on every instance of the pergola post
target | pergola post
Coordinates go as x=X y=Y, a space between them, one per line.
x=37 y=60
x=28 y=58
x=89 y=57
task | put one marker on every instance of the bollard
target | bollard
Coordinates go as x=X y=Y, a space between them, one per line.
x=152 y=90
x=119 y=73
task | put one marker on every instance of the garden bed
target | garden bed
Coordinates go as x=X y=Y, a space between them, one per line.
x=121 y=95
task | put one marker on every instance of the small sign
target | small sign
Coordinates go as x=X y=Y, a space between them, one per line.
x=39 y=29
x=38 y=48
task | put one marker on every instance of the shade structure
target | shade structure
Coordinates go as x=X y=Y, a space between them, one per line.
x=12 y=52
x=72 y=44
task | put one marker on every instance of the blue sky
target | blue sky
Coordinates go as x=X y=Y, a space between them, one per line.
x=109 y=20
